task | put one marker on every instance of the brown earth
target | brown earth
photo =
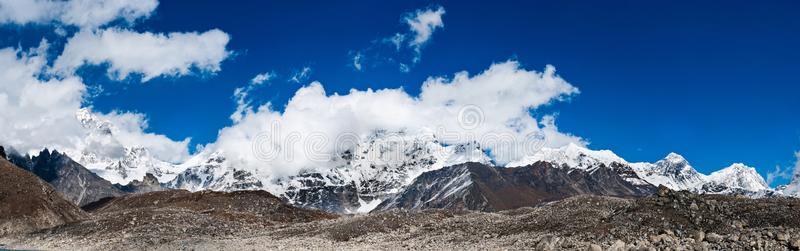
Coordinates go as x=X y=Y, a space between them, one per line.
x=28 y=203
x=669 y=220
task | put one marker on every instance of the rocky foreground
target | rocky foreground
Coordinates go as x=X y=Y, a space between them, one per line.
x=205 y=221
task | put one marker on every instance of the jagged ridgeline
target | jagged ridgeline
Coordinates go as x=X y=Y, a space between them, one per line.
x=390 y=169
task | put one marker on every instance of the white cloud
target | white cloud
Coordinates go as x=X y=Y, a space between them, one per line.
x=243 y=105
x=405 y=46
x=423 y=23
x=793 y=188
x=301 y=75
x=34 y=111
x=39 y=111
x=81 y=13
x=261 y=78
x=152 y=55
x=129 y=130
x=502 y=97
x=357 y=58
x=396 y=40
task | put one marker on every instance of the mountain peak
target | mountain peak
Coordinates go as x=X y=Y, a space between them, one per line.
x=90 y=121
x=740 y=167
x=739 y=176
x=675 y=158
x=571 y=155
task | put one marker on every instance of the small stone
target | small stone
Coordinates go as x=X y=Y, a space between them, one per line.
x=618 y=245
x=738 y=224
x=595 y=247
x=781 y=237
x=665 y=238
x=713 y=237
x=733 y=238
x=663 y=191
x=694 y=206
x=699 y=236
x=795 y=244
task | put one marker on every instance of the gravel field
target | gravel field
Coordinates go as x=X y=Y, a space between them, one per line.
x=670 y=220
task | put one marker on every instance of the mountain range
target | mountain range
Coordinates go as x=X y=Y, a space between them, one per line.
x=391 y=170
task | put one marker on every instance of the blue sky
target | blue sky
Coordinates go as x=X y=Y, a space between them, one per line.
x=715 y=81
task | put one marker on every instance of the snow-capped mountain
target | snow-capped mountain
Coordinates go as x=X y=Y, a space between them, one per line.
x=673 y=171
x=210 y=171
x=134 y=164
x=676 y=173
x=572 y=156
x=737 y=178
x=384 y=164
x=381 y=164
x=130 y=162
x=580 y=158
x=477 y=186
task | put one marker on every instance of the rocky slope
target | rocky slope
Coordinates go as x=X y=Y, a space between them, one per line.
x=668 y=221
x=140 y=221
x=476 y=186
x=239 y=206
x=28 y=203
x=72 y=180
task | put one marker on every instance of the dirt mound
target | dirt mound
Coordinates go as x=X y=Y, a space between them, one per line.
x=28 y=203
x=142 y=221
x=241 y=205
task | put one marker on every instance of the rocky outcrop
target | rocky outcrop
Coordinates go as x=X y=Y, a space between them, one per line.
x=148 y=184
x=72 y=180
x=28 y=203
x=476 y=186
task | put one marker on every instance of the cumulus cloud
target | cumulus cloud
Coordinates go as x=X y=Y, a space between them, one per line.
x=127 y=129
x=39 y=110
x=492 y=107
x=422 y=23
x=31 y=107
x=81 y=13
x=149 y=54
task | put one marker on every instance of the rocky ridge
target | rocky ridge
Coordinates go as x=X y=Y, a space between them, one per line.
x=27 y=203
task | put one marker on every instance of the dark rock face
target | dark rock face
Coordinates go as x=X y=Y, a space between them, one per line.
x=28 y=203
x=72 y=180
x=148 y=184
x=3 y=153
x=314 y=192
x=477 y=186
